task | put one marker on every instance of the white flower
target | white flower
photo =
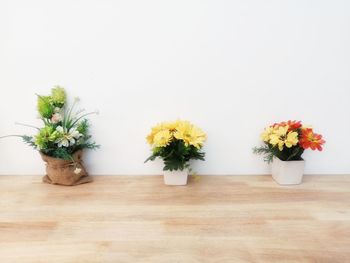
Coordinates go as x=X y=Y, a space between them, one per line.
x=62 y=142
x=60 y=129
x=77 y=170
x=75 y=134
x=67 y=138
x=57 y=110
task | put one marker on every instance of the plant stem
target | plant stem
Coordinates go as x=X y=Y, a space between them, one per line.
x=12 y=135
x=82 y=116
x=27 y=125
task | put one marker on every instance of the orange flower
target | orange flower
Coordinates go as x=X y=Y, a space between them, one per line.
x=312 y=140
x=293 y=125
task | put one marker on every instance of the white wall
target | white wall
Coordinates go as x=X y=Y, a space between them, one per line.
x=231 y=67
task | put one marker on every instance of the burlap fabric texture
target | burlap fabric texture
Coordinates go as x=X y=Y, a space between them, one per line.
x=63 y=172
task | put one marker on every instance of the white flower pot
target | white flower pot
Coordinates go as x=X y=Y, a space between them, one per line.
x=287 y=172
x=176 y=177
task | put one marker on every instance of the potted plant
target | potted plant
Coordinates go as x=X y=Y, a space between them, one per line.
x=62 y=139
x=176 y=143
x=284 y=145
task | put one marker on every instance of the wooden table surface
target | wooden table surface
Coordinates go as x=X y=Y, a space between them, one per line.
x=138 y=219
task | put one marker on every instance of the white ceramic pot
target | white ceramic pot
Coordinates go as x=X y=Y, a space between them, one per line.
x=176 y=177
x=287 y=172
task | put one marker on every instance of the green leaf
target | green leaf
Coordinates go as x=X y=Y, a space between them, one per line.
x=176 y=155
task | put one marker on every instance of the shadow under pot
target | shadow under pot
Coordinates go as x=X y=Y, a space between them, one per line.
x=65 y=172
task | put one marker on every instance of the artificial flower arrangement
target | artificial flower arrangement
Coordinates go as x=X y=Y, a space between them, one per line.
x=284 y=145
x=176 y=143
x=62 y=139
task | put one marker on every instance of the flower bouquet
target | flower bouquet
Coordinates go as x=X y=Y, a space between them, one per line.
x=62 y=139
x=284 y=145
x=176 y=143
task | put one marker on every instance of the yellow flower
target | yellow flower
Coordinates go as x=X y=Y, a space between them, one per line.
x=162 y=134
x=190 y=134
x=265 y=136
x=183 y=132
x=281 y=130
x=171 y=126
x=198 y=137
x=292 y=139
x=277 y=134
x=281 y=137
x=154 y=131
x=162 y=138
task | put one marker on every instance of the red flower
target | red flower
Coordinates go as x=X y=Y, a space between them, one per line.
x=312 y=140
x=293 y=125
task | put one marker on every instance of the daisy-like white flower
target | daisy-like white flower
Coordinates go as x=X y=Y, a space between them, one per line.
x=67 y=138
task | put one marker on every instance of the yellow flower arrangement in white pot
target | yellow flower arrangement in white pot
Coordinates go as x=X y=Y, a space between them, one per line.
x=176 y=143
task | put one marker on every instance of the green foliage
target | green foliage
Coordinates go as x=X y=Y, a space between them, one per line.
x=28 y=140
x=266 y=151
x=83 y=127
x=58 y=95
x=46 y=136
x=45 y=107
x=62 y=153
x=48 y=142
x=177 y=155
x=287 y=154
x=64 y=131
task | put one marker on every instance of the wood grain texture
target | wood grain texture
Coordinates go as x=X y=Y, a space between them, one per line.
x=138 y=219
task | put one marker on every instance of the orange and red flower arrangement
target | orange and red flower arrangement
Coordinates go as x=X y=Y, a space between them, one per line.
x=288 y=141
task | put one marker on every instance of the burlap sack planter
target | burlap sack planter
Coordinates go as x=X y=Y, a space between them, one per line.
x=61 y=171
